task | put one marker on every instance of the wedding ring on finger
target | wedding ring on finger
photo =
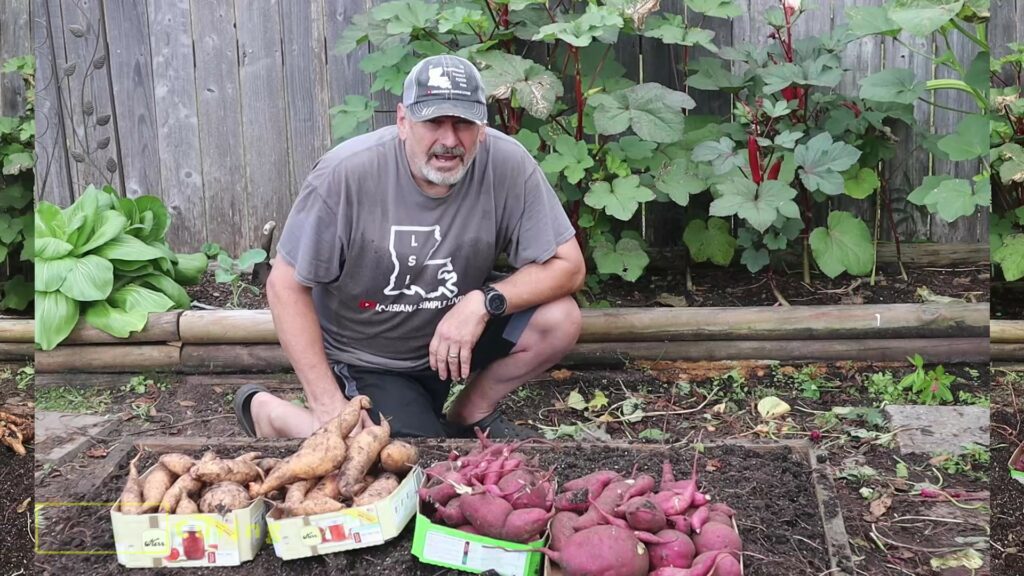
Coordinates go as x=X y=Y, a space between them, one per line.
x=453 y=354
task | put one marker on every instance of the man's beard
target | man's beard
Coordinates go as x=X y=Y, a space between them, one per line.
x=448 y=177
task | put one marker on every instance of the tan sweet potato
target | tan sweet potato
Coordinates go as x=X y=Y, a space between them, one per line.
x=311 y=506
x=224 y=497
x=156 y=484
x=362 y=454
x=399 y=457
x=321 y=453
x=177 y=463
x=384 y=485
x=296 y=492
x=267 y=464
x=184 y=486
x=327 y=486
x=131 y=496
x=238 y=470
x=187 y=506
x=250 y=456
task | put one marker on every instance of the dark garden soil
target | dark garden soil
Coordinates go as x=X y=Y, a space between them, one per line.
x=771 y=492
x=1008 y=300
x=899 y=532
x=715 y=287
x=1007 y=493
x=17 y=550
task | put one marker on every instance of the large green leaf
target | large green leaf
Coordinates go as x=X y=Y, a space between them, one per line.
x=671 y=29
x=52 y=248
x=755 y=259
x=626 y=258
x=950 y=198
x=861 y=183
x=922 y=17
x=598 y=22
x=115 y=321
x=160 y=218
x=134 y=297
x=90 y=278
x=168 y=287
x=50 y=274
x=571 y=157
x=715 y=8
x=822 y=161
x=844 y=246
x=403 y=16
x=109 y=225
x=758 y=205
x=892 y=85
x=56 y=316
x=1011 y=162
x=871 y=20
x=720 y=153
x=969 y=141
x=653 y=111
x=711 y=74
x=535 y=88
x=621 y=198
x=710 y=241
x=1010 y=257
x=190 y=268
x=680 y=181
x=125 y=247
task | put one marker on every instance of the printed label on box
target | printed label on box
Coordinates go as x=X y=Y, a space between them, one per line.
x=450 y=550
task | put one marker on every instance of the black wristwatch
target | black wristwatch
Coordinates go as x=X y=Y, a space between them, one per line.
x=494 y=301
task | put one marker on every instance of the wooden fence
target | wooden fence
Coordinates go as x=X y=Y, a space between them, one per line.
x=220 y=107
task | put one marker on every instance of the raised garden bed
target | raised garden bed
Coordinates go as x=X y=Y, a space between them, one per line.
x=779 y=497
x=245 y=341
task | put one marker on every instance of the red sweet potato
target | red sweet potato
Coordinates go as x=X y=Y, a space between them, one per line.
x=523 y=525
x=575 y=501
x=486 y=512
x=699 y=518
x=451 y=514
x=602 y=550
x=595 y=483
x=723 y=508
x=726 y=566
x=716 y=537
x=678 y=553
x=608 y=501
x=643 y=514
x=673 y=503
x=562 y=528
x=719 y=518
x=643 y=484
x=703 y=565
x=680 y=523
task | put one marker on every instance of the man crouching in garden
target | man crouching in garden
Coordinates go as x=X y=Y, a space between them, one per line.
x=380 y=285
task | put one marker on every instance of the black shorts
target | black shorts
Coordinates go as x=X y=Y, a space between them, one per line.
x=414 y=401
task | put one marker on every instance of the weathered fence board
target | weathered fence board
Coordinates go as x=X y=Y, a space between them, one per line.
x=52 y=173
x=220 y=123
x=1005 y=26
x=177 y=115
x=305 y=69
x=14 y=42
x=264 y=123
x=131 y=78
x=227 y=136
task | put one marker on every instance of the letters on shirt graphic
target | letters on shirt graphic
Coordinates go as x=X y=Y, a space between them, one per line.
x=412 y=248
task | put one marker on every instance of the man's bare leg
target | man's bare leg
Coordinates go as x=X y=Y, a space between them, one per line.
x=549 y=336
x=274 y=417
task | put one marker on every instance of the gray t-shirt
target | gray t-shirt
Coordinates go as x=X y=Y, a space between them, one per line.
x=386 y=261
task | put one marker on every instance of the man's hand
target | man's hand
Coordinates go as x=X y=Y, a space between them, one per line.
x=451 y=349
x=325 y=410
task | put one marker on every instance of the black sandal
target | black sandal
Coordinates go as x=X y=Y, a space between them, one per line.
x=243 y=411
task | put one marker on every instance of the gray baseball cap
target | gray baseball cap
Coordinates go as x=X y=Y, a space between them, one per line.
x=445 y=85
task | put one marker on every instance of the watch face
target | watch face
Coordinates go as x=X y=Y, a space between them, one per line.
x=496 y=303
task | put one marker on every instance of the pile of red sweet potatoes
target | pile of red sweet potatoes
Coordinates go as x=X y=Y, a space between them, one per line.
x=603 y=523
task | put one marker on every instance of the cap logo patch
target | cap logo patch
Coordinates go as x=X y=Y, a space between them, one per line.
x=437 y=78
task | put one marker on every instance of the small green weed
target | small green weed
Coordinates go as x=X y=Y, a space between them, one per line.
x=68 y=399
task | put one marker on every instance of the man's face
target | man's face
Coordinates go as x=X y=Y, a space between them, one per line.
x=441 y=149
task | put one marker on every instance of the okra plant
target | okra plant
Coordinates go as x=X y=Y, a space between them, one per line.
x=17 y=159
x=1007 y=157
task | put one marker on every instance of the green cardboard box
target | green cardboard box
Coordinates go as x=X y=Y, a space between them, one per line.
x=443 y=546
x=1018 y=456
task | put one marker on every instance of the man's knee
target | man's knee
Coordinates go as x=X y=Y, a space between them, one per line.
x=559 y=322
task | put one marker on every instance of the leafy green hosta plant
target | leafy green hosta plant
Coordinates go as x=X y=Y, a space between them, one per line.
x=104 y=258
x=17 y=159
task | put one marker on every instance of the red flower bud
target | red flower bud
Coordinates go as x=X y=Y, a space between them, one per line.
x=753 y=155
